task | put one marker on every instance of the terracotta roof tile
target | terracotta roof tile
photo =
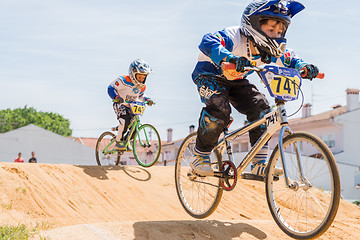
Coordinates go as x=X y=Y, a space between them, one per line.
x=321 y=116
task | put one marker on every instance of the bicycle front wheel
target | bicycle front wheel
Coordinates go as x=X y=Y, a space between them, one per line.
x=105 y=153
x=199 y=196
x=146 y=145
x=306 y=208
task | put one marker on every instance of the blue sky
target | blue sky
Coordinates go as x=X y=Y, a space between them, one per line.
x=60 y=55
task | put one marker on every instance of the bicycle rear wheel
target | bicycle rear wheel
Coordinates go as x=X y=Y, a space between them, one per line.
x=199 y=196
x=146 y=145
x=307 y=208
x=105 y=153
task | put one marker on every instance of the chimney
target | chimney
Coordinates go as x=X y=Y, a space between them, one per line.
x=306 y=110
x=191 y=128
x=169 y=135
x=352 y=99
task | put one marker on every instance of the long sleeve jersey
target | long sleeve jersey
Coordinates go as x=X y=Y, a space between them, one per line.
x=123 y=87
x=228 y=42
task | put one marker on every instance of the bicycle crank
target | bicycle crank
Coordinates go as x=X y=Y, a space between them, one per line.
x=229 y=176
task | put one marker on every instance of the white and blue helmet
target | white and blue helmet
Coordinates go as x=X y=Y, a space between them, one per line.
x=138 y=66
x=258 y=10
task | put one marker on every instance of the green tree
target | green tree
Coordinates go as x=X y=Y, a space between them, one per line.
x=20 y=117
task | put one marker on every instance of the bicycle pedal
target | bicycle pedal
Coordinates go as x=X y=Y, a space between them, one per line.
x=250 y=176
x=191 y=175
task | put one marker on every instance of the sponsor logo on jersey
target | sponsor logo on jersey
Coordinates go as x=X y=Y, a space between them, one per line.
x=129 y=98
x=222 y=41
x=287 y=59
x=136 y=90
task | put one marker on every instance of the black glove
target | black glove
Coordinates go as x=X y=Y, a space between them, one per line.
x=150 y=102
x=240 y=63
x=118 y=99
x=311 y=71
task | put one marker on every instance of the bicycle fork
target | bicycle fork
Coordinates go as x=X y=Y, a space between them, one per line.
x=286 y=128
x=304 y=182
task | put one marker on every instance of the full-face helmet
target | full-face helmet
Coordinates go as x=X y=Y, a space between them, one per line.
x=259 y=10
x=139 y=66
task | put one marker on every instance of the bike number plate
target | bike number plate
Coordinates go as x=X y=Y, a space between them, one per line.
x=138 y=109
x=282 y=83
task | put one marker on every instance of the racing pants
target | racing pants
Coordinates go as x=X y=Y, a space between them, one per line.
x=217 y=93
x=124 y=116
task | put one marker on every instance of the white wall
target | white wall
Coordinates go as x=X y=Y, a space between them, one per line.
x=351 y=131
x=349 y=160
x=48 y=147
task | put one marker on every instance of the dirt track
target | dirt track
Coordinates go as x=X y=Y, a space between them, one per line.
x=90 y=202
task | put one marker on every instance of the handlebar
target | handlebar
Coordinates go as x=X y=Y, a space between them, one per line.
x=126 y=103
x=232 y=66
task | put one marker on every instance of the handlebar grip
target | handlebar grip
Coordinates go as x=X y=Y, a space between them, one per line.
x=321 y=75
x=303 y=72
x=228 y=66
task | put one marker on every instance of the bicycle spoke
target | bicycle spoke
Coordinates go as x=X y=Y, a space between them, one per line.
x=146 y=145
x=198 y=195
x=303 y=209
x=105 y=153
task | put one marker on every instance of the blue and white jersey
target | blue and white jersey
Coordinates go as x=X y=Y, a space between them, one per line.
x=227 y=42
x=123 y=87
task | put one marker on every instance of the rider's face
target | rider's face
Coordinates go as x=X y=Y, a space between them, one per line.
x=273 y=28
x=141 y=78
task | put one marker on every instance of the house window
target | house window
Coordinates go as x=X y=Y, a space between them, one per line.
x=167 y=155
x=244 y=147
x=236 y=148
x=329 y=140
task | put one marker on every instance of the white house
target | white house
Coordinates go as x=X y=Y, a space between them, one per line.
x=49 y=147
x=339 y=128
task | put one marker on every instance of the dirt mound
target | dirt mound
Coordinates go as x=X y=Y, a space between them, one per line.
x=130 y=202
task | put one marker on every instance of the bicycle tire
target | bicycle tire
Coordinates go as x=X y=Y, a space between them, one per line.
x=304 y=212
x=109 y=158
x=146 y=145
x=203 y=203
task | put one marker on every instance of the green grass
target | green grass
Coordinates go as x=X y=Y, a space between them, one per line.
x=19 y=232
x=22 y=232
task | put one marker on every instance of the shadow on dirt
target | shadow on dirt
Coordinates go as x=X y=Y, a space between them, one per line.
x=198 y=230
x=101 y=172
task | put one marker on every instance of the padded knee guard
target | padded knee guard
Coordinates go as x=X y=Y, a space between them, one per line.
x=210 y=128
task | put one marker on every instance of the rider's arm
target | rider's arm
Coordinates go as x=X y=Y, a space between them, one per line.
x=143 y=97
x=217 y=46
x=292 y=60
x=113 y=92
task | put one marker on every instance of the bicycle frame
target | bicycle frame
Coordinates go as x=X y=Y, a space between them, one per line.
x=133 y=127
x=274 y=121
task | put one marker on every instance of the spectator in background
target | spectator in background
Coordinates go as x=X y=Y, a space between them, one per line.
x=33 y=158
x=19 y=159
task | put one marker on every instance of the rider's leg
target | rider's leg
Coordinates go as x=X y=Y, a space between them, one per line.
x=247 y=99
x=212 y=120
x=119 y=136
x=121 y=113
